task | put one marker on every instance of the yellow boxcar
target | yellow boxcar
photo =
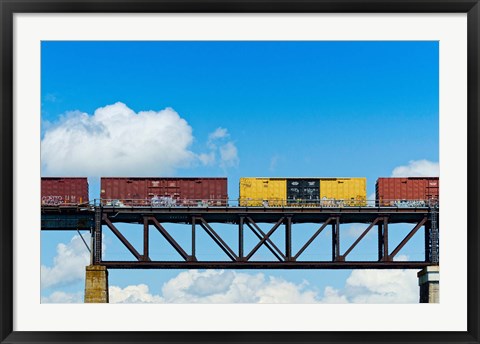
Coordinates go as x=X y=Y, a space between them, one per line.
x=343 y=191
x=256 y=192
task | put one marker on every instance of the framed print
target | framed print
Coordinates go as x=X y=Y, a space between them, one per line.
x=235 y=171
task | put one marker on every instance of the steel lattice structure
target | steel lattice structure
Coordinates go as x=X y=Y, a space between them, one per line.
x=98 y=218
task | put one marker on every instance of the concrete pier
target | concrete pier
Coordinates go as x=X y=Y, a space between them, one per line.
x=96 y=284
x=429 y=282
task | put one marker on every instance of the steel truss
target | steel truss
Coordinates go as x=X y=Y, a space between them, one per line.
x=249 y=218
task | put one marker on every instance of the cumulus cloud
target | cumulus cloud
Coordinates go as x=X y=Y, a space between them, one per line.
x=417 y=168
x=51 y=97
x=117 y=141
x=223 y=287
x=274 y=161
x=332 y=295
x=222 y=150
x=68 y=265
x=219 y=133
x=218 y=286
x=207 y=158
x=382 y=286
x=62 y=297
x=355 y=230
x=213 y=286
x=132 y=294
x=228 y=155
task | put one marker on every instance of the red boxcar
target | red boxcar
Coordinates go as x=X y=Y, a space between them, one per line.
x=64 y=191
x=163 y=192
x=411 y=191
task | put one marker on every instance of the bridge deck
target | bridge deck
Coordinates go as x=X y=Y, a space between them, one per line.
x=83 y=218
x=246 y=218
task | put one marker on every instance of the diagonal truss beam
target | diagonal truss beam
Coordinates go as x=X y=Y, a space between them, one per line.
x=361 y=236
x=265 y=238
x=313 y=238
x=169 y=238
x=122 y=238
x=218 y=240
x=284 y=257
x=268 y=243
x=407 y=238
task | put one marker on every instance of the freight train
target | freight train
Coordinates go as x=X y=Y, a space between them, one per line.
x=254 y=192
x=64 y=191
x=316 y=191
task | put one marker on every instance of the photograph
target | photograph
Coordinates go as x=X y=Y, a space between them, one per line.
x=240 y=172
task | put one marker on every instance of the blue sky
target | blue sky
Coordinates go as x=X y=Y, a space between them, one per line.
x=238 y=109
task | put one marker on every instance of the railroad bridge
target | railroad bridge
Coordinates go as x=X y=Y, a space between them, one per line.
x=97 y=218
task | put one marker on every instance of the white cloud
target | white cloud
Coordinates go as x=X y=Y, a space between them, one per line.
x=219 y=133
x=207 y=158
x=116 y=141
x=222 y=150
x=355 y=230
x=68 y=265
x=417 y=168
x=401 y=258
x=376 y=286
x=213 y=286
x=51 y=97
x=132 y=294
x=228 y=155
x=274 y=162
x=380 y=286
x=218 y=286
x=332 y=295
x=62 y=297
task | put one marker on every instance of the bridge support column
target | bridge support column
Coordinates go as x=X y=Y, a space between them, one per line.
x=428 y=280
x=96 y=284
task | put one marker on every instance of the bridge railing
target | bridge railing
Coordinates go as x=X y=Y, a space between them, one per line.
x=168 y=202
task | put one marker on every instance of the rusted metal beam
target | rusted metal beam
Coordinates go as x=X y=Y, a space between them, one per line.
x=92 y=245
x=265 y=238
x=265 y=265
x=434 y=237
x=288 y=238
x=218 y=240
x=313 y=237
x=145 y=239
x=267 y=214
x=427 y=242
x=169 y=238
x=97 y=237
x=380 y=242
x=360 y=238
x=407 y=238
x=268 y=243
x=336 y=240
x=121 y=238
x=250 y=222
x=240 y=238
x=86 y=245
x=193 y=237
x=385 y=255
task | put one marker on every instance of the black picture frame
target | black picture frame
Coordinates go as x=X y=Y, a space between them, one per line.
x=10 y=7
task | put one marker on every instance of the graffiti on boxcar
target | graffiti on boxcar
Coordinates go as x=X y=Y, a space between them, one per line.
x=52 y=200
x=163 y=201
